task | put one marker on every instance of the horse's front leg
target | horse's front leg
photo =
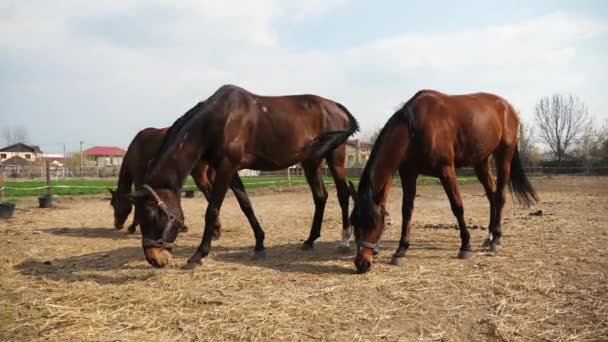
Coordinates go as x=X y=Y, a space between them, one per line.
x=408 y=184
x=224 y=175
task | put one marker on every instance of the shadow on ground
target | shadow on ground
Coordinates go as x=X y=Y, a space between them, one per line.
x=93 y=233
x=112 y=267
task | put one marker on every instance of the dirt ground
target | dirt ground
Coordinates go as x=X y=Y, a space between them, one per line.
x=65 y=274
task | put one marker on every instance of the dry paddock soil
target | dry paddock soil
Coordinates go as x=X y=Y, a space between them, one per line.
x=67 y=275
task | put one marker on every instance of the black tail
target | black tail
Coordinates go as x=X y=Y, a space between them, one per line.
x=330 y=140
x=519 y=183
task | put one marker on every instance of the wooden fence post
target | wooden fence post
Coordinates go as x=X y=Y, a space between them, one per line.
x=48 y=178
x=1 y=183
x=289 y=178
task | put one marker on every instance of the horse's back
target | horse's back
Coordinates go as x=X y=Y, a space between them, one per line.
x=464 y=128
x=142 y=148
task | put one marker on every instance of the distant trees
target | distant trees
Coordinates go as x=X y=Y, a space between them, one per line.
x=15 y=134
x=528 y=151
x=561 y=120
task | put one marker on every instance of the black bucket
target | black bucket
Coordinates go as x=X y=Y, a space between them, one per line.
x=45 y=201
x=189 y=193
x=6 y=210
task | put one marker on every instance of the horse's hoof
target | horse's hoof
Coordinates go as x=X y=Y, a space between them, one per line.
x=494 y=248
x=196 y=258
x=486 y=243
x=397 y=261
x=376 y=251
x=462 y=254
x=306 y=246
x=191 y=265
x=258 y=255
x=344 y=248
x=131 y=230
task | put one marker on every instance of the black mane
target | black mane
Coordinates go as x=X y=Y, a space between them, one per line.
x=172 y=135
x=363 y=212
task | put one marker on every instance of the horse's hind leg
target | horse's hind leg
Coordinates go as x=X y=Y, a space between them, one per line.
x=241 y=196
x=484 y=174
x=450 y=185
x=319 y=195
x=336 y=165
x=408 y=184
x=503 y=173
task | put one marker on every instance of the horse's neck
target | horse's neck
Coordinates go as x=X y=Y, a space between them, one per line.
x=389 y=155
x=125 y=179
x=172 y=171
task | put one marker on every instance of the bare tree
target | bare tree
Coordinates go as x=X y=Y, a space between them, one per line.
x=15 y=134
x=525 y=141
x=561 y=120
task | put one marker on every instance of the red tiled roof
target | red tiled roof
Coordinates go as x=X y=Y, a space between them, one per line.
x=104 y=151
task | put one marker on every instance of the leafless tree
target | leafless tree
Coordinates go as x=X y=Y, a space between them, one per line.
x=15 y=134
x=561 y=120
x=526 y=147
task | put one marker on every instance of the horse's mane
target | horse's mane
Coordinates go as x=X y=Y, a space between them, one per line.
x=172 y=136
x=364 y=209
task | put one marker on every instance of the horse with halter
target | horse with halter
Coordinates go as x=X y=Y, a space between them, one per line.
x=232 y=130
x=141 y=150
x=433 y=134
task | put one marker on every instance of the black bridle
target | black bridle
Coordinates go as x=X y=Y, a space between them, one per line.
x=172 y=220
x=386 y=218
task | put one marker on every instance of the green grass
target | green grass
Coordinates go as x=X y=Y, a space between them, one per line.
x=98 y=186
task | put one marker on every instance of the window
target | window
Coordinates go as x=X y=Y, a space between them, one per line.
x=2 y=155
x=28 y=156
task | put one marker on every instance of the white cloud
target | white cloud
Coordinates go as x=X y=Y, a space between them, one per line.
x=121 y=61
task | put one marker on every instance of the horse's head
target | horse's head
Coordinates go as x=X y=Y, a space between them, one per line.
x=121 y=203
x=160 y=217
x=368 y=220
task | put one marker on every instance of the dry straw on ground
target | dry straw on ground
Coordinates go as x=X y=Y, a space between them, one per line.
x=66 y=275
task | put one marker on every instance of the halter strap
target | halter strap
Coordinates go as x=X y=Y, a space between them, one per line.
x=172 y=218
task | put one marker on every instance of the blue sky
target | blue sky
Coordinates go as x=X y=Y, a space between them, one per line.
x=101 y=71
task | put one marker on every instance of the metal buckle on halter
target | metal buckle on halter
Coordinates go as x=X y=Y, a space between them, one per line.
x=366 y=244
x=172 y=219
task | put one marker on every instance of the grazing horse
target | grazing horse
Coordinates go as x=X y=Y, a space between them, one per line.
x=141 y=150
x=433 y=134
x=232 y=130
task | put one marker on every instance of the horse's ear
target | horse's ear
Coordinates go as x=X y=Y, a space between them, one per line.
x=352 y=191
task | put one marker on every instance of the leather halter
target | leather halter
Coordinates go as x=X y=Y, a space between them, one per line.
x=374 y=247
x=172 y=218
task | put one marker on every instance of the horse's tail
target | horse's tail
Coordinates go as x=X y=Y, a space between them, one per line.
x=328 y=141
x=519 y=184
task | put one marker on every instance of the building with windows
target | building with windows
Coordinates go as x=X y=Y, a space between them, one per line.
x=29 y=153
x=103 y=156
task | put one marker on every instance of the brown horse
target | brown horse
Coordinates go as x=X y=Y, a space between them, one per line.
x=232 y=130
x=141 y=150
x=433 y=134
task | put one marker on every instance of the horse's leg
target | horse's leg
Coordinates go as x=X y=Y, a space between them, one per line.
x=503 y=173
x=319 y=195
x=203 y=175
x=484 y=174
x=450 y=185
x=408 y=184
x=134 y=224
x=335 y=162
x=224 y=175
x=241 y=196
